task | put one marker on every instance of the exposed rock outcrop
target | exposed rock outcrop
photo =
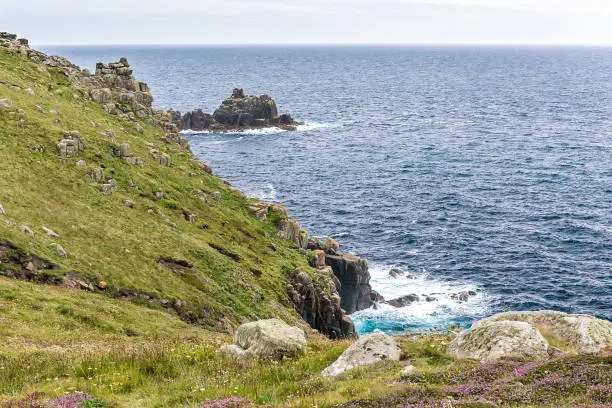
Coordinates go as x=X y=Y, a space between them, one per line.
x=368 y=350
x=531 y=334
x=354 y=277
x=318 y=302
x=237 y=112
x=268 y=339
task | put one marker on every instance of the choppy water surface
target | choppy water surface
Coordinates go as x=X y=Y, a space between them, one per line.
x=485 y=169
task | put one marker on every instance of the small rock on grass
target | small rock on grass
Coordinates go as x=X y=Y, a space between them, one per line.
x=6 y=103
x=2 y=211
x=60 y=251
x=50 y=232
x=26 y=229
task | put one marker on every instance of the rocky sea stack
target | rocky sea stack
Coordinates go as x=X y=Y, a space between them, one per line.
x=236 y=113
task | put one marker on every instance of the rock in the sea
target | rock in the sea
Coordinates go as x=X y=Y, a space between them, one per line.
x=404 y=300
x=491 y=340
x=368 y=350
x=269 y=339
x=241 y=110
x=396 y=273
x=354 y=277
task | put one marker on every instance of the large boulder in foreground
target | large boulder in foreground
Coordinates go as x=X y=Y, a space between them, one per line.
x=503 y=339
x=531 y=335
x=368 y=350
x=271 y=338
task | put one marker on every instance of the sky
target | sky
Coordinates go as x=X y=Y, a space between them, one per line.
x=309 y=21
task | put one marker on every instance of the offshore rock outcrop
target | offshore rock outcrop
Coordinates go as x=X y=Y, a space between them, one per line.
x=238 y=112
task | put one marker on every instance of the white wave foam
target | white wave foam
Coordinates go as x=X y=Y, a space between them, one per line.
x=264 y=131
x=421 y=314
x=268 y=193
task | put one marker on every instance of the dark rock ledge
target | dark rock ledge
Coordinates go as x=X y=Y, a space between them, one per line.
x=236 y=113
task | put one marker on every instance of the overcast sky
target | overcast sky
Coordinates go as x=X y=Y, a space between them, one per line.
x=309 y=21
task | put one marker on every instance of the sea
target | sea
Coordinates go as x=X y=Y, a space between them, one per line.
x=472 y=168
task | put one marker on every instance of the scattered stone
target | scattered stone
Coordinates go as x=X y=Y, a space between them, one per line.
x=260 y=211
x=408 y=370
x=54 y=112
x=109 y=188
x=102 y=285
x=216 y=196
x=130 y=204
x=21 y=113
x=163 y=160
x=368 y=350
x=60 y=251
x=98 y=174
x=273 y=247
x=6 y=103
x=25 y=229
x=50 y=232
x=133 y=161
x=123 y=150
x=2 y=210
x=331 y=246
x=268 y=339
x=159 y=195
x=190 y=218
x=81 y=163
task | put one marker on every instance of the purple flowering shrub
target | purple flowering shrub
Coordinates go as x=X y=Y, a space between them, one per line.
x=229 y=402
x=74 y=400
x=576 y=381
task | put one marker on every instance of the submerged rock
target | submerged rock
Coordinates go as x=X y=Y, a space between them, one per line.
x=267 y=338
x=368 y=350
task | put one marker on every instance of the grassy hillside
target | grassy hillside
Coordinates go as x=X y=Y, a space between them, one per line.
x=133 y=316
x=234 y=274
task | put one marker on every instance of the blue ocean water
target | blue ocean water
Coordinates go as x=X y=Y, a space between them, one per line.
x=471 y=168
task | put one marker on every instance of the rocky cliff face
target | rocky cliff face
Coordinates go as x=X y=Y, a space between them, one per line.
x=238 y=112
x=355 y=289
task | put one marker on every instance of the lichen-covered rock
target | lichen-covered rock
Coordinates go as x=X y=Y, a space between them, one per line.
x=574 y=333
x=491 y=340
x=368 y=350
x=271 y=338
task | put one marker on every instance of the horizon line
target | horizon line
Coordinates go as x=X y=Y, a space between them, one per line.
x=332 y=44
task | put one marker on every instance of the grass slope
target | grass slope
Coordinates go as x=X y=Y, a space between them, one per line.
x=55 y=341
